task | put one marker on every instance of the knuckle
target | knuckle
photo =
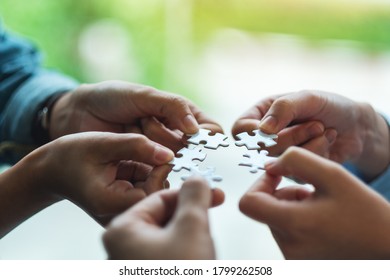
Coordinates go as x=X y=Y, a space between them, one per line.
x=178 y=102
x=310 y=95
x=291 y=153
x=140 y=140
x=283 y=103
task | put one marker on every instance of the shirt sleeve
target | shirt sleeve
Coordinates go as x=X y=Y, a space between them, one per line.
x=24 y=87
x=381 y=184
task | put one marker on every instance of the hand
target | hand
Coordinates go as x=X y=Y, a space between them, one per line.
x=352 y=131
x=103 y=173
x=341 y=219
x=120 y=107
x=166 y=225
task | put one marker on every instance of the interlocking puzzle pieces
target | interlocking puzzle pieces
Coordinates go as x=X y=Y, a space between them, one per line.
x=208 y=174
x=256 y=160
x=203 y=136
x=252 y=141
x=186 y=159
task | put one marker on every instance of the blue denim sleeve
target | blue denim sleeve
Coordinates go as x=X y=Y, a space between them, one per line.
x=381 y=184
x=24 y=87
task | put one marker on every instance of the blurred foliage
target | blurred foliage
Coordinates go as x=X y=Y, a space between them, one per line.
x=55 y=25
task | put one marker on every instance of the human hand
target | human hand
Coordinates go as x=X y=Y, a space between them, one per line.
x=103 y=173
x=352 y=131
x=166 y=225
x=341 y=219
x=116 y=106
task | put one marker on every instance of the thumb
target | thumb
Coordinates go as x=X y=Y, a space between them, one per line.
x=195 y=198
x=290 y=108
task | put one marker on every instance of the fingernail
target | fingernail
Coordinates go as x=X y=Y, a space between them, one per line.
x=268 y=125
x=331 y=136
x=191 y=124
x=315 y=130
x=162 y=154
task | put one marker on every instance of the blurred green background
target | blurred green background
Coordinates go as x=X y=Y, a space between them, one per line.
x=164 y=33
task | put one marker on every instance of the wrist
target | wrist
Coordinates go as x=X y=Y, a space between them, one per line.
x=374 y=157
x=60 y=115
x=41 y=125
x=35 y=174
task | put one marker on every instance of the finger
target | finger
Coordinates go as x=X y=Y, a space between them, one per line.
x=245 y=125
x=134 y=147
x=322 y=144
x=132 y=129
x=154 y=210
x=205 y=121
x=218 y=197
x=121 y=195
x=174 y=109
x=260 y=204
x=250 y=120
x=195 y=192
x=156 y=131
x=156 y=179
x=294 y=193
x=324 y=174
x=195 y=198
x=297 y=135
x=292 y=107
x=132 y=171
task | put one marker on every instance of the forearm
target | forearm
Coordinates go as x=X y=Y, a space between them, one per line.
x=22 y=194
x=24 y=87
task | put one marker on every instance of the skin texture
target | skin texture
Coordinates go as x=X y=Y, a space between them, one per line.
x=351 y=131
x=169 y=224
x=116 y=106
x=103 y=173
x=341 y=219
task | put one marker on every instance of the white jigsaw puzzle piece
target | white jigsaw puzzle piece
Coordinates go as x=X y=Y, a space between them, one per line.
x=187 y=158
x=252 y=141
x=208 y=174
x=256 y=160
x=211 y=141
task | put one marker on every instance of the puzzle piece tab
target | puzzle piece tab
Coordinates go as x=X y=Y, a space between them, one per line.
x=211 y=141
x=208 y=174
x=252 y=141
x=186 y=159
x=256 y=160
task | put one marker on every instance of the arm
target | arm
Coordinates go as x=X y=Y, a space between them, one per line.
x=103 y=173
x=24 y=88
x=341 y=219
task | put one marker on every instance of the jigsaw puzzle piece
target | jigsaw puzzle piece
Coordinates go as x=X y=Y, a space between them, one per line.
x=210 y=141
x=252 y=141
x=255 y=160
x=186 y=159
x=208 y=174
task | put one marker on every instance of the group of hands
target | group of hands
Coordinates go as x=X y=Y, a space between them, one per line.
x=111 y=146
